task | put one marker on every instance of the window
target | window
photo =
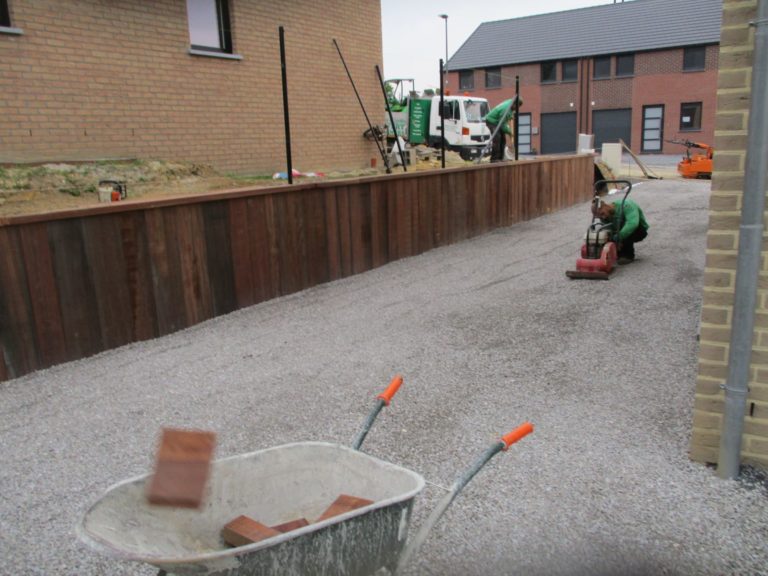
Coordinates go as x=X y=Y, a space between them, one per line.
x=570 y=70
x=524 y=134
x=625 y=65
x=5 y=15
x=694 y=58
x=493 y=78
x=548 y=72
x=209 y=27
x=467 y=80
x=452 y=111
x=690 y=116
x=602 y=67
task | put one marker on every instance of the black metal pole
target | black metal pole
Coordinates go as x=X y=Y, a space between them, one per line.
x=391 y=118
x=370 y=126
x=517 y=115
x=442 y=115
x=285 y=107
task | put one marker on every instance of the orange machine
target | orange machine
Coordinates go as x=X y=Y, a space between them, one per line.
x=695 y=165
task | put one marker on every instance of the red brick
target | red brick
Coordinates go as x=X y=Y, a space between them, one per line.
x=244 y=530
x=343 y=504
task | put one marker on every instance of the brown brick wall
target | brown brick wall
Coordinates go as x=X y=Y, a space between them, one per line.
x=733 y=98
x=658 y=79
x=92 y=79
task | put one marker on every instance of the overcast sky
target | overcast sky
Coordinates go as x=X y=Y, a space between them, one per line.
x=414 y=34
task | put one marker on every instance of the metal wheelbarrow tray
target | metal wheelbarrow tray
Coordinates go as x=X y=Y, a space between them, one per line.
x=275 y=486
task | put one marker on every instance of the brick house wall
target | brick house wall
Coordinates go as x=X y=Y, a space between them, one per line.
x=658 y=79
x=733 y=101
x=98 y=79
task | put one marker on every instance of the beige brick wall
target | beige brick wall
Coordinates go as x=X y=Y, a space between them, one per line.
x=90 y=79
x=733 y=97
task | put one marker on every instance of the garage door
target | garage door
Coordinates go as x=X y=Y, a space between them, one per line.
x=558 y=132
x=610 y=125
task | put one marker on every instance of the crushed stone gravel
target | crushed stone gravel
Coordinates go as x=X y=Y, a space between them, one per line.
x=487 y=333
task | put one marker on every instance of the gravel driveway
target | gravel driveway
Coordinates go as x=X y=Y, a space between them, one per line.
x=487 y=333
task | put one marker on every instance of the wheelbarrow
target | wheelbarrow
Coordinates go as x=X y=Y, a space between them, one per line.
x=278 y=485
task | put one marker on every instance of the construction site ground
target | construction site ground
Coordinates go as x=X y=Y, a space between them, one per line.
x=63 y=186
x=487 y=333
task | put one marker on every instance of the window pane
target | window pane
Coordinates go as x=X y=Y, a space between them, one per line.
x=653 y=112
x=548 y=72
x=652 y=145
x=570 y=70
x=653 y=123
x=690 y=116
x=466 y=80
x=493 y=78
x=602 y=67
x=204 y=23
x=694 y=58
x=525 y=120
x=625 y=65
x=5 y=16
x=652 y=134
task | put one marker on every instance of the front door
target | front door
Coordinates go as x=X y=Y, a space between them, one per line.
x=653 y=129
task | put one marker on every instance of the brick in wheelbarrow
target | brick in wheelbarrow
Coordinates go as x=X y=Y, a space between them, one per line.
x=182 y=468
x=344 y=503
x=292 y=525
x=244 y=530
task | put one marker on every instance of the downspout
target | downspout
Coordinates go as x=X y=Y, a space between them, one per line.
x=749 y=255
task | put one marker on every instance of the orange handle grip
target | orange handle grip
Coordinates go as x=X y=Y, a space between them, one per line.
x=391 y=389
x=517 y=434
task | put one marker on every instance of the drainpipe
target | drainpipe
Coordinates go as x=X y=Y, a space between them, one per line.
x=749 y=255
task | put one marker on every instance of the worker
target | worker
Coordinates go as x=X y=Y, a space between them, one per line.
x=503 y=114
x=630 y=222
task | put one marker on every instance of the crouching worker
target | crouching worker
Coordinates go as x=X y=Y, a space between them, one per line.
x=629 y=221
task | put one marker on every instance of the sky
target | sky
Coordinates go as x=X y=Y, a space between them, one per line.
x=414 y=34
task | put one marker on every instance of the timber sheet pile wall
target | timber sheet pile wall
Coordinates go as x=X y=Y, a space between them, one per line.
x=77 y=283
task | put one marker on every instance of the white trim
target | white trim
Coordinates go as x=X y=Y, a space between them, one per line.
x=194 y=52
x=8 y=30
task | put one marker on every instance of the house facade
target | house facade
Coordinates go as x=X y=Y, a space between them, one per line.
x=628 y=70
x=192 y=80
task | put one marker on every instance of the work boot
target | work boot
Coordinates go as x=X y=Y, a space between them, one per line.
x=625 y=260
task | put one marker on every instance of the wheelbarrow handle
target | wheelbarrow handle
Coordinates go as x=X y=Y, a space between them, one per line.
x=413 y=544
x=391 y=390
x=382 y=400
x=517 y=434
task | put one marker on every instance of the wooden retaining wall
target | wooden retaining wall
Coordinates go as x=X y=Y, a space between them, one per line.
x=79 y=282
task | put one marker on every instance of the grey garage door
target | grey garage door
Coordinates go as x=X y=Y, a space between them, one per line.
x=558 y=132
x=610 y=125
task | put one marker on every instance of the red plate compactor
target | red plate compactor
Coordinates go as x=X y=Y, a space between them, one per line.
x=599 y=251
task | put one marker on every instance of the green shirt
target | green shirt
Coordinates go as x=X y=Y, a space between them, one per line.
x=633 y=217
x=495 y=116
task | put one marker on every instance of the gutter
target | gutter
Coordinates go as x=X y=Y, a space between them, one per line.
x=749 y=255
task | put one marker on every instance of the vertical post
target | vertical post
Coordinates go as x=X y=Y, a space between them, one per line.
x=391 y=118
x=285 y=107
x=517 y=113
x=442 y=115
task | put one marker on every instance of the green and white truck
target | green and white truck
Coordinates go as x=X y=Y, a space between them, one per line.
x=417 y=120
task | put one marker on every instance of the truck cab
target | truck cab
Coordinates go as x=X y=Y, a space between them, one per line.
x=465 y=128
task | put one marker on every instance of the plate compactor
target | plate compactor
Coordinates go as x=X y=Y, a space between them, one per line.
x=599 y=252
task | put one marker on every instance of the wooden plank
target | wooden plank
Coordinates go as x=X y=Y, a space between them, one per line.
x=240 y=217
x=379 y=225
x=16 y=319
x=425 y=226
x=345 y=238
x=360 y=228
x=218 y=252
x=138 y=275
x=166 y=271
x=332 y=233
x=316 y=240
x=290 y=234
x=273 y=246
x=190 y=238
x=104 y=251
x=79 y=311
x=43 y=294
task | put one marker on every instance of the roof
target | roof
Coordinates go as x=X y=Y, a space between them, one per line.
x=633 y=26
